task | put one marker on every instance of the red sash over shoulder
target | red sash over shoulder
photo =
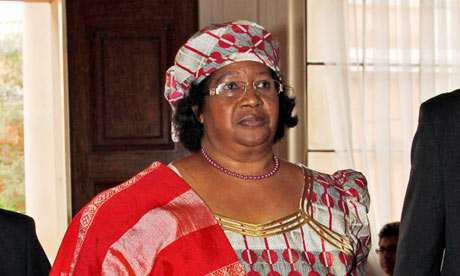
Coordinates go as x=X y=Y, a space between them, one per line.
x=153 y=224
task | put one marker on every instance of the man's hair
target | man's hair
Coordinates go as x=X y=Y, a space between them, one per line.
x=389 y=229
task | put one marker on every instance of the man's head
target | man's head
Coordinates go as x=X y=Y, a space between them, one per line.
x=388 y=241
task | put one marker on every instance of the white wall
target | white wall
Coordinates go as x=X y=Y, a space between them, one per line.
x=45 y=123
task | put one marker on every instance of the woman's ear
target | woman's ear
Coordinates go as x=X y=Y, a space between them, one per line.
x=199 y=117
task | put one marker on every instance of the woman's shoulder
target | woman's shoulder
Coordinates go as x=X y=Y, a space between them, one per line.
x=350 y=180
x=125 y=203
x=349 y=184
x=130 y=213
x=354 y=185
x=150 y=186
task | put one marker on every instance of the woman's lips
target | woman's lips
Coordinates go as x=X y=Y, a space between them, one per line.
x=252 y=121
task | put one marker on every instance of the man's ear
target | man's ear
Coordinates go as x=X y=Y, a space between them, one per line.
x=199 y=117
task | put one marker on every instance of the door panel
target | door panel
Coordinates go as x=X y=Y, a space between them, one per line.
x=118 y=52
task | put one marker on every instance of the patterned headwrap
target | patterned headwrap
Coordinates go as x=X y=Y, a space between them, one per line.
x=214 y=47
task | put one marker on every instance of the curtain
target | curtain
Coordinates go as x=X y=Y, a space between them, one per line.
x=381 y=59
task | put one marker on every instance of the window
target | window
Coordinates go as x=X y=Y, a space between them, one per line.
x=11 y=108
x=370 y=63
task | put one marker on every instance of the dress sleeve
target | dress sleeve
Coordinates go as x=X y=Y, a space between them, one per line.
x=356 y=195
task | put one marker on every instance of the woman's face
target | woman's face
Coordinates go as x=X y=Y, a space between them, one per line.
x=248 y=120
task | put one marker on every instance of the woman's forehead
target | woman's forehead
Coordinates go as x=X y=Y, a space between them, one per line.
x=240 y=68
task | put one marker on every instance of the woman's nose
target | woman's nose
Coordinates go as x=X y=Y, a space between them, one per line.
x=250 y=97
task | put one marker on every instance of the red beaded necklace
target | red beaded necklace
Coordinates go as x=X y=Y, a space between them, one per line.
x=242 y=176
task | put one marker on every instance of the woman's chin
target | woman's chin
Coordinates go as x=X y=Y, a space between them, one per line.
x=255 y=138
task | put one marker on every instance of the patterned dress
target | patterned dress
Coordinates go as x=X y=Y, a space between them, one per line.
x=328 y=235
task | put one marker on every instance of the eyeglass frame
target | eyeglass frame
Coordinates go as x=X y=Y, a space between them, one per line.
x=215 y=91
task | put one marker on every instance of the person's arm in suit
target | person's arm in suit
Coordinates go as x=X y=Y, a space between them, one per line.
x=421 y=234
x=20 y=251
x=37 y=261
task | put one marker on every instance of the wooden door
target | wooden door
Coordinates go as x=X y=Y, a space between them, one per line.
x=118 y=52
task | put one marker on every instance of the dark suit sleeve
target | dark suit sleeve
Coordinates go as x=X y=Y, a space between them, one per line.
x=421 y=238
x=20 y=251
x=37 y=262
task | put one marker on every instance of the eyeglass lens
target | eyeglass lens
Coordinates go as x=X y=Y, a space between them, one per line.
x=237 y=88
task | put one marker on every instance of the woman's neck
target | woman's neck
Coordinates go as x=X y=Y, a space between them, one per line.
x=240 y=159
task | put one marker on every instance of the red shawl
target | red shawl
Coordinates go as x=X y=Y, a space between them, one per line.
x=153 y=224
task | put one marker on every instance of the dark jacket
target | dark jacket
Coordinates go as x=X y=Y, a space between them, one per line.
x=430 y=221
x=20 y=250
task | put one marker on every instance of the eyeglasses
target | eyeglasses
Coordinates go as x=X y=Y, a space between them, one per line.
x=389 y=249
x=234 y=89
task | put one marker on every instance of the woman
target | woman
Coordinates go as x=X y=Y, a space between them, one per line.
x=231 y=207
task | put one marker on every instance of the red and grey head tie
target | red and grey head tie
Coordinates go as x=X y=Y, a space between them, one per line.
x=214 y=47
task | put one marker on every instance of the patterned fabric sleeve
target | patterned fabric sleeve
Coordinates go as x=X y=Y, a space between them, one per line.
x=358 y=201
